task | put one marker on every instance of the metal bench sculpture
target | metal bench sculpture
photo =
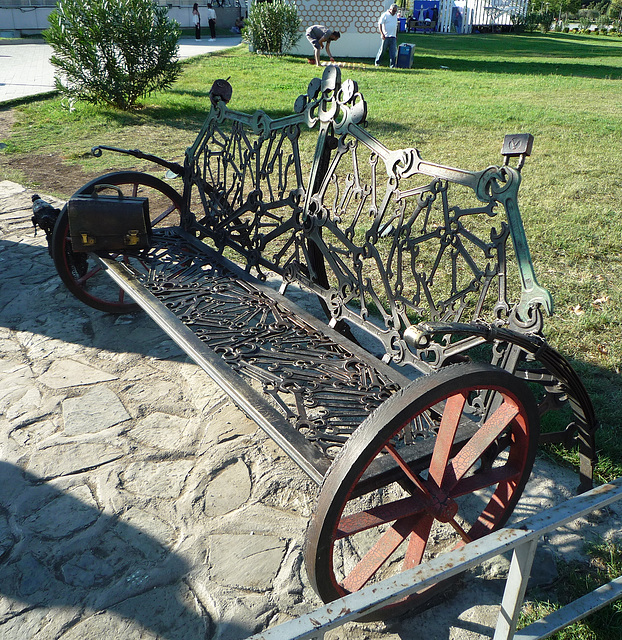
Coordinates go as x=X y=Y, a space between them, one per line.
x=425 y=439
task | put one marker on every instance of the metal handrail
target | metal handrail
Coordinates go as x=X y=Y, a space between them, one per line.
x=522 y=539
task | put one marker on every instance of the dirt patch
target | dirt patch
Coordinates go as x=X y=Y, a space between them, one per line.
x=46 y=172
x=7 y=118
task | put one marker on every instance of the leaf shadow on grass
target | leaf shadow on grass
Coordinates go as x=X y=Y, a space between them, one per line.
x=176 y=116
x=553 y=45
x=558 y=68
x=182 y=116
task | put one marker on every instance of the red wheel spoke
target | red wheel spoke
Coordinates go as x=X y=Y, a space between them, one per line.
x=484 y=479
x=163 y=215
x=94 y=271
x=489 y=517
x=445 y=437
x=460 y=531
x=413 y=477
x=384 y=548
x=376 y=516
x=418 y=541
x=477 y=445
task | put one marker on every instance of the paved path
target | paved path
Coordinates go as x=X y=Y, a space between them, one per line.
x=25 y=69
x=136 y=503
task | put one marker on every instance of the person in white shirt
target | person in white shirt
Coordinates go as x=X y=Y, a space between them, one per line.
x=387 y=25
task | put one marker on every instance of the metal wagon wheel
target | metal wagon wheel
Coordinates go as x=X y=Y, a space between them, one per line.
x=429 y=470
x=81 y=272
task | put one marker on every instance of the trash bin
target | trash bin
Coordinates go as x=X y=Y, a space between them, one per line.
x=405 y=53
x=402 y=24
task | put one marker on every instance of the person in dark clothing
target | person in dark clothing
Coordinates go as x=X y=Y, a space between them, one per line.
x=211 y=19
x=196 y=19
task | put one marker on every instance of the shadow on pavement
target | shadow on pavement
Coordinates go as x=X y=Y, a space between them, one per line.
x=101 y=573
x=34 y=299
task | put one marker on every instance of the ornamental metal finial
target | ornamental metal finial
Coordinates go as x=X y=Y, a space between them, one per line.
x=329 y=100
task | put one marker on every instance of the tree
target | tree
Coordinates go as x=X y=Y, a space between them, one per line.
x=615 y=10
x=113 y=51
x=273 y=27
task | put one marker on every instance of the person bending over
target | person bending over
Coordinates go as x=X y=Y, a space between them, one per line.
x=319 y=36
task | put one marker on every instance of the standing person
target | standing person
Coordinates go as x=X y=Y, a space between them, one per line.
x=211 y=19
x=318 y=35
x=196 y=20
x=387 y=25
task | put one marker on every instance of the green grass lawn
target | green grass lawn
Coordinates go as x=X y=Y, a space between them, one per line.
x=462 y=96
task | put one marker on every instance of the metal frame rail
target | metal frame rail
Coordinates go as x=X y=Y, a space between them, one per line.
x=522 y=539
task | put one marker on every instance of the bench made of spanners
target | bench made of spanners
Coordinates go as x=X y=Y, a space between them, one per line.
x=415 y=402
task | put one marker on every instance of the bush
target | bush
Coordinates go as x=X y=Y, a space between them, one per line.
x=112 y=51
x=273 y=27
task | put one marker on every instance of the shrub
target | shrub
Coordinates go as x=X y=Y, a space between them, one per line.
x=273 y=27
x=112 y=51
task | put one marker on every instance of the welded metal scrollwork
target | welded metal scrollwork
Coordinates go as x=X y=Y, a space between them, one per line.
x=409 y=251
x=383 y=237
x=330 y=100
x=319 y=385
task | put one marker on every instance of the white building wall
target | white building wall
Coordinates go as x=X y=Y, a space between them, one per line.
x=356 y=20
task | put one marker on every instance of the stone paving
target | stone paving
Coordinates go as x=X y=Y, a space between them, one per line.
x=136 y=502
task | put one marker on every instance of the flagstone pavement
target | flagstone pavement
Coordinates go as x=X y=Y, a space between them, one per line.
x=136 y=502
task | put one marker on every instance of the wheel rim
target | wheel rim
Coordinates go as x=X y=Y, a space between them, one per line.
x=82 y=272
x=464 y=487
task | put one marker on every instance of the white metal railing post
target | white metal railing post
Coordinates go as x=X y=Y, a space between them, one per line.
x=515 y=587
x=522 y=539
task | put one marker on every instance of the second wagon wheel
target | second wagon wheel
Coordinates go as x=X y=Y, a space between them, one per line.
x=81 y=272
x=441 y=463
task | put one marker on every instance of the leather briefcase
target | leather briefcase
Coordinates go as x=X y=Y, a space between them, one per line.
x=108 y=222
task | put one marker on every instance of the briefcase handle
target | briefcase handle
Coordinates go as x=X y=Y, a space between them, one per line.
x=100 y=187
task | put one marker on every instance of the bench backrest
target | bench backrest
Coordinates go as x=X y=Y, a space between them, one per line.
x=384 y=238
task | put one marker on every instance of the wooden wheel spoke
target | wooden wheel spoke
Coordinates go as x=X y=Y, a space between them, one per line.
x=384 y=548
x=163 y=215
x=418 y=542
x=445 y=437
x=410 y=474
x=87 y=276
x=460 y=531
x=484 y=479
x=477 y=445
x=376 y=516
x=488 y=518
